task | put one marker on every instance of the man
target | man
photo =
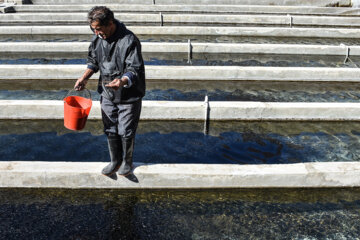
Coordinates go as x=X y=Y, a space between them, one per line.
x=116 y=52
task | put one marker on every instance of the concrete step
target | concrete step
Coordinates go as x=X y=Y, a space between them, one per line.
x=176 y=32
x=62 y=48
x=190 y=73
x=322 y=3
x=183 y=19
x=196 y=111
x=191 y=8
x=84 y=175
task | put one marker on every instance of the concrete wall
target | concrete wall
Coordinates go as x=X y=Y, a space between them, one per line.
x=205 y=2
x=39 y=72
x=181 y=19
x=189 y=31
x=191 y=110
x=192 y=8
x=77 y=175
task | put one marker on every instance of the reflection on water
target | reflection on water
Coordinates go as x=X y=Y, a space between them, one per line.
x=205 y=59
x=162 y=142
x=211 y=214
x=265 y=95
x=185 y=38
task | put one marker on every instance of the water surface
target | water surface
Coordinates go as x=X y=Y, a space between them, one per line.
x=211 y=214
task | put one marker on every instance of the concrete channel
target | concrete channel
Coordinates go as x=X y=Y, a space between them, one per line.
x=190 y=73
x=184 y=19
x=179 y=176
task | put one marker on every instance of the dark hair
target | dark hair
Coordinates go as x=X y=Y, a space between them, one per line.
x=102 y=14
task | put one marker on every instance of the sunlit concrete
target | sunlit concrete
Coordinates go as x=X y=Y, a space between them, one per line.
x=204 y=2
x=192 y=110
x=78 y=175
x=278 y=32
x=195 y=19
x=38 y=72
x=193 y=8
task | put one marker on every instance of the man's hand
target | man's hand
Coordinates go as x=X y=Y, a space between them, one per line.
x=117 y=83
x=80 y=84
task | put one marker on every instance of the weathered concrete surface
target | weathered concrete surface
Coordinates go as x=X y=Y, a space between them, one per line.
x=190 y=31
x=204 y=2
x=154 y=19
x=191 y=110
x=192 y=8
x=190 y=73
x=166 y=47
x=156 y=176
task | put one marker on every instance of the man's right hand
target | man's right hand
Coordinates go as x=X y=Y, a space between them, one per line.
x=80 y=84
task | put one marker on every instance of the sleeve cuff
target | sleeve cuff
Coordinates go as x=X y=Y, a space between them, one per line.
x=95 y=69
x=129 y=76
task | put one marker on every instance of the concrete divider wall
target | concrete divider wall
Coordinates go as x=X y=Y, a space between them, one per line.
x=190 y=73
x=186 y=110
x=190 y=31
x=78 y=175
x=197 y=19
x=191 y=8
x=205 y=2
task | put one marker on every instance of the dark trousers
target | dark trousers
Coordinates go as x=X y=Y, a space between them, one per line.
x=121 y=119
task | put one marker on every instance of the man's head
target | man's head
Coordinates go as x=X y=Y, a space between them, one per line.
x=101 y=20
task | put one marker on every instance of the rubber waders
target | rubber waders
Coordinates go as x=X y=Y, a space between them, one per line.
x=115 y=150
x=128 y=149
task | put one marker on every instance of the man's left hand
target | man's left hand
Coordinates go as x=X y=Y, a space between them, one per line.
x=117 y=83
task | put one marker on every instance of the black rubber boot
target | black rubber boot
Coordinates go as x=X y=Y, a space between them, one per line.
x=127 y=159
x=115 y=151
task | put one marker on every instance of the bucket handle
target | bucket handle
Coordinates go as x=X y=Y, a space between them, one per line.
x=71 y=90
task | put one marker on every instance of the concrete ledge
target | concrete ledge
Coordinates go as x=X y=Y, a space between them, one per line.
x=197 y=19
x=190 y=73
x=189 y=110
x=190 y=31
x=77 y=175
x=192 y=8
x=203 y=2
x=164 y=47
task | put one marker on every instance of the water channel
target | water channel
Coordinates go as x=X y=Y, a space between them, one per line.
x=212 y=214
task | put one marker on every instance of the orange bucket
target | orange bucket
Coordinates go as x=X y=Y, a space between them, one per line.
x=76 y=111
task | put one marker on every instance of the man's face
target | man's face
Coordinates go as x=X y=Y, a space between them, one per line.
x=103 y=32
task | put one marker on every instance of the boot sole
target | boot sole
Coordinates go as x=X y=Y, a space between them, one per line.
x=124 y=175
x=111 y=173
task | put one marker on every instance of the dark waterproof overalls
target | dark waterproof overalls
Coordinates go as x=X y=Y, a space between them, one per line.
x=119 y=56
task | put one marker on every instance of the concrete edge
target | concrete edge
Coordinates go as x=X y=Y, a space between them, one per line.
x=213 y=48
x=189 y=110
x=44 y=72
x=345 y=33
x=79 y=175
x=185 y=18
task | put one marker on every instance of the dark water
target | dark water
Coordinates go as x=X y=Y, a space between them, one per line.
x=212 y=60
x=185 y=38
x=266 y=95
x=164 y=142
x=197 y=59
x=212 y=214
